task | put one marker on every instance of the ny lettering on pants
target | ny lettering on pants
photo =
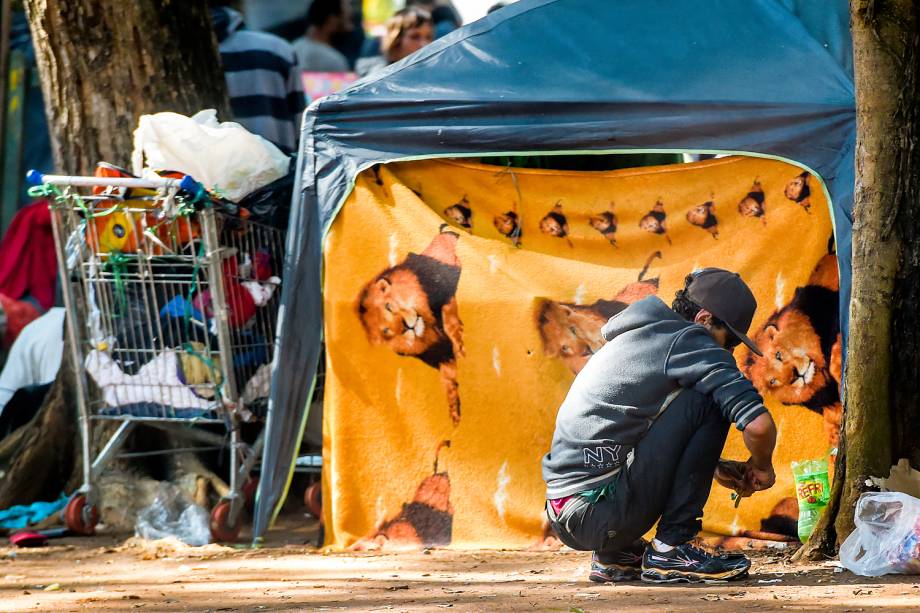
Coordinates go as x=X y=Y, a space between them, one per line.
x=668 y=481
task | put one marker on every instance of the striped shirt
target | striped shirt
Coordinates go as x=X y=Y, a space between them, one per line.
x=263 y=80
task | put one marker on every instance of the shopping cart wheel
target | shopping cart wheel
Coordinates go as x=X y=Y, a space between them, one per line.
x=221 y=530
x=80 y=517
x=313 y=498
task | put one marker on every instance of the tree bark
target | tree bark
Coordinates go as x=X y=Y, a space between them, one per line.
x=104 y=63
x=882 y=379
x=905 y=342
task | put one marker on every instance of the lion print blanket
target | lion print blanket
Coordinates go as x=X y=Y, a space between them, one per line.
x=462 y=299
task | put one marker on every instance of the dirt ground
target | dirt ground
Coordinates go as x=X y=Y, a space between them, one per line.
x=111 y=573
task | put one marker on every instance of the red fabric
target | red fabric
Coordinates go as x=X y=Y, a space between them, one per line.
x=558 y=503
x=240 y=303
x=27 y=262
x=19 y=314
x=28 y=538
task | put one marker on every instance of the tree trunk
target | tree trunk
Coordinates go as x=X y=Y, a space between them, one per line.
x=883 y=357
x=905 y=342
x=104 y=63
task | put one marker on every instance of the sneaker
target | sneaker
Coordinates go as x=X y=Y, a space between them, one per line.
x=688 y=563
x=622 y=565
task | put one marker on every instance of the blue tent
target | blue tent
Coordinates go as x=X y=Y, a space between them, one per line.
x=769 y=78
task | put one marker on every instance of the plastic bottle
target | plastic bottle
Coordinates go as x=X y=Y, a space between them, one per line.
x=812 y=491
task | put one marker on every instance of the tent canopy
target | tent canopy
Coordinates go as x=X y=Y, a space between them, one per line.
x=764 y=77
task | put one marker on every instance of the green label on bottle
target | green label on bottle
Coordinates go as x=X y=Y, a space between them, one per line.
x=813 y=491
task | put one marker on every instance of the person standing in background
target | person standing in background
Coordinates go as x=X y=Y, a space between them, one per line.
x=407 y=31
x=443 y=16
x=445 y=20
x=263 y=79
x=314 y=50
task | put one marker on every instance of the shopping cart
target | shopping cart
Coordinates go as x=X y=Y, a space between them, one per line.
x=172 y=299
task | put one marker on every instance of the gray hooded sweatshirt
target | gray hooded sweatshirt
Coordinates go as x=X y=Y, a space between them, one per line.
x=652 y=353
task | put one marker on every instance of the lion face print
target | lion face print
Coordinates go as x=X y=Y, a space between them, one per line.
x=460 y=213
x=555 y=223
x=703 y=216
x=605 y=222
x=799 y=191
x=396 y=313
x=507 y=225
x=754 y=203
x=570 y=332
x=411 y=308
x=655 y=221
x=801 y=347
x=793 y=368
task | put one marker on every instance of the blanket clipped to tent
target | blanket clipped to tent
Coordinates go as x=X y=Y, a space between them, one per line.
x=462 y=299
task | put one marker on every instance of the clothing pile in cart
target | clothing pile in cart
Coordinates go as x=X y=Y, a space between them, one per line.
x=178 y=284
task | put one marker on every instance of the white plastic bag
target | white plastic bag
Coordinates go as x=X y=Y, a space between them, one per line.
x=174 y=515
x=224 y=157
x=887 y=536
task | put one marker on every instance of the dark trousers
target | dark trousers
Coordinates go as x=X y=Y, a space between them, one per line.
x=668 y=481
x=22 y=407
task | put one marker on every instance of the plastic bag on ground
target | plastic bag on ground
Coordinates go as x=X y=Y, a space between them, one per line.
x=225 y=157
x=887 y=536
x=172 y=514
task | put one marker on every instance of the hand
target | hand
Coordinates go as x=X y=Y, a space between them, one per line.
x=759 y=478
x=734 y=476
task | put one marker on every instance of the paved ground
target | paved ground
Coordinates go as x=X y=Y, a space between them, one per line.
x=110 y=574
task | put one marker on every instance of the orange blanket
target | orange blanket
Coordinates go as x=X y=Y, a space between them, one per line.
x=461 y=299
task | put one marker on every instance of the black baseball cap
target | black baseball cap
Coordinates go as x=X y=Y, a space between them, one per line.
x=727 y=296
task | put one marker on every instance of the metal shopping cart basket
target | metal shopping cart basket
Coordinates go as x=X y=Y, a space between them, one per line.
x=171 y=299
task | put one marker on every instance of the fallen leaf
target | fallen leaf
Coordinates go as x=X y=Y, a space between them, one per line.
x=54 y=587
x=711 y=597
